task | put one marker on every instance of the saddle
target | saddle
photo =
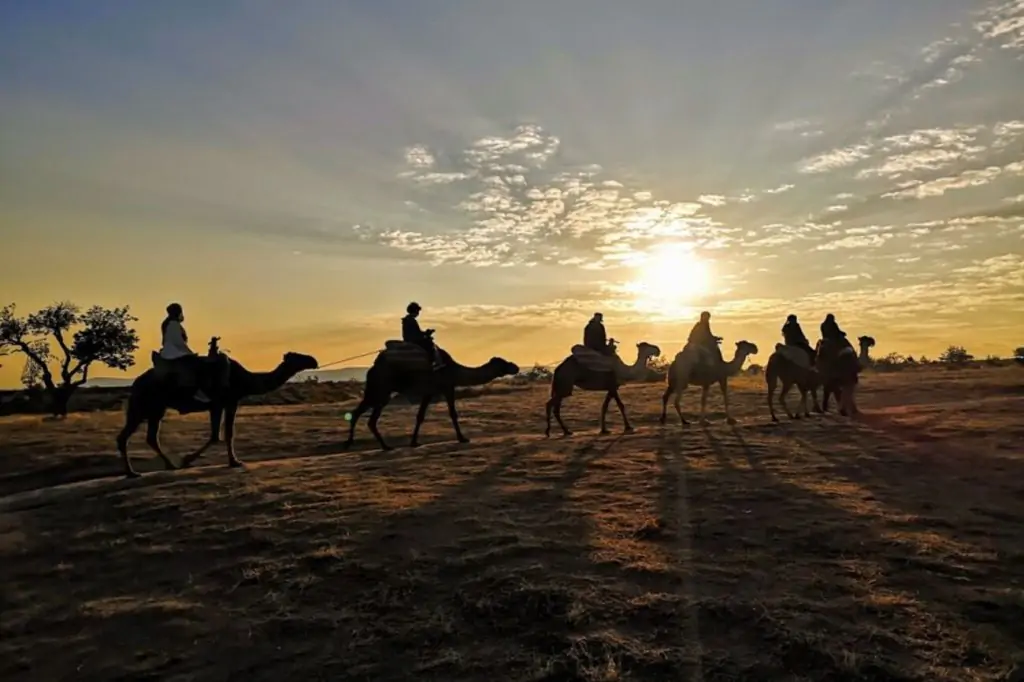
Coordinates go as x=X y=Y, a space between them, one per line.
x=700 y=355
x=593 y=360
x=183 y=370
x=404 y=355
x=794 y=354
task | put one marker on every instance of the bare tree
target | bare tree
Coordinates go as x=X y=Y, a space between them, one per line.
x=79 y=340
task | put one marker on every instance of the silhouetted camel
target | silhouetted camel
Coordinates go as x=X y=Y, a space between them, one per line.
x=150 y=399
x=685 y=370
x=838 y=367
x=793 y=370
x=403 y=368
x=865 y=343
x=588 y=370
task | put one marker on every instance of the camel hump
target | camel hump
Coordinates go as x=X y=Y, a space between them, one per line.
x=592 y=360
x=797 y=356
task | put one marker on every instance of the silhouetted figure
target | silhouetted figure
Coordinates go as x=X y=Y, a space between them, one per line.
x=793 y=334
x=830 y=330
x=185 y=367
x=411 y=333
x=702 y=337
x=595 y=337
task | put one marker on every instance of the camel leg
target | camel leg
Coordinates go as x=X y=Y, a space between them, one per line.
x=449 y=396
x=814 y=397
x=133 y=421
x=626 y=426
x=230 y=411
x=555 y=407
x=354 y=416
x=786 y=388
x=723 y=386
x=421 y=414
x=704 y=404
x=153 y=438
x=604 y=410
x=372 y=424
x=803 y=402
x=677 y=403
x=664 y=403
x=216 y=414
x=772 y=381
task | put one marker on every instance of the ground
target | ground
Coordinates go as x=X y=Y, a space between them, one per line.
x=890 y=548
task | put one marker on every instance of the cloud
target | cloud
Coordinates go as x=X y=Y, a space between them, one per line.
x=969 y=178
x=1003 y=24
x=835 y=159
x=521 y=204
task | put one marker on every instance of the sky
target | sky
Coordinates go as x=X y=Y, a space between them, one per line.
x=294 y=174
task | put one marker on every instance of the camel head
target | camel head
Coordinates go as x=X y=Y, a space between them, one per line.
x=745 y=348
x=502 y=367
x=866 y=341
x=645 y=351
x=297 y=362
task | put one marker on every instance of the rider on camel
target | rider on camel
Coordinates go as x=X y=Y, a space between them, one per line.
x=190 y=370
x=794 y=335
x=830 y=330
x=411 y=333
x=595 y=337
x=701 y=337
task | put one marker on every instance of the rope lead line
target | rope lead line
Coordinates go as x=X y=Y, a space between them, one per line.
x=338 y=362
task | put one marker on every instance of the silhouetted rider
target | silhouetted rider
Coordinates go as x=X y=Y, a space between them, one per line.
x=793 y=334
x=594 y=335
x=830 y=330
x=411 y=333
x=188 y=369
x=701 y=336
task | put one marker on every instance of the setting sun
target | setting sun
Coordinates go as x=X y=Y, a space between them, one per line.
x=668 y=280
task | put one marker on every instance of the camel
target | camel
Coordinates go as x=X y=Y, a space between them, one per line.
x=839 y=370
x=150 y=399
x=794 y=367
x=686 y=369
x=589 y=370
x=404 y=368
x=865 y=343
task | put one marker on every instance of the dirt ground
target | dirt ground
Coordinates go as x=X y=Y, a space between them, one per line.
x=886 y=548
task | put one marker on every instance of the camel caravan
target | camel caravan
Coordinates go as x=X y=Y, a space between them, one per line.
x=415 y=367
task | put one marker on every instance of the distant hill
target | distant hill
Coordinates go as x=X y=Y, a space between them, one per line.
x=343 y=374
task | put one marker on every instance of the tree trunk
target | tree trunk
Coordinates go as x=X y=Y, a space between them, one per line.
x=60 y=396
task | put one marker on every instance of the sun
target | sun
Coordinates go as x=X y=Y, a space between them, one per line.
x=669 y=280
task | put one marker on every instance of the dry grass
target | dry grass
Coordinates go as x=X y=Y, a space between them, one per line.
x=887 y=549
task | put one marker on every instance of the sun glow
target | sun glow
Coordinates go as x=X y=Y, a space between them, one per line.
x=669 y=279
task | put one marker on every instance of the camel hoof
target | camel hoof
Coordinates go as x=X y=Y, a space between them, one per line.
x=662 y=420
x=463 y=439
x=730 y=421
x=346 y=445
x=412 y=444
x=236 y=464
x=794 y=416
x=567 y=434
x=629 y=429
x=604 y=432
x=132 y=474
x=775 y=419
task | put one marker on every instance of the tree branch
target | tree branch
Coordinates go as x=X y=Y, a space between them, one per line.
x=36 y=358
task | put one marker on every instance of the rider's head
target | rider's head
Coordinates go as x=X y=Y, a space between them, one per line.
x=791 y=318
x=413 y=308
x=175 y=312
x=598 y=317
x=830 y=318
x=705 y=316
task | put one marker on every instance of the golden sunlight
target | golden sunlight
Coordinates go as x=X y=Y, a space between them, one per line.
x=668 y=280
